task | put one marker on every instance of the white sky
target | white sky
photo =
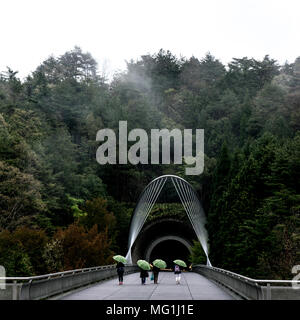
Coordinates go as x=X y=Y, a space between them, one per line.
x=117 y=30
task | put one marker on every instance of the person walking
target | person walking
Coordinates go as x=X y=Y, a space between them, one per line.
x=177 y=272
x=120 y=271
x=143 y=275
x=155 y=271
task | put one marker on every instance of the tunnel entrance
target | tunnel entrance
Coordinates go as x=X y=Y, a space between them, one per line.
x=165 y=238
x=169 y=250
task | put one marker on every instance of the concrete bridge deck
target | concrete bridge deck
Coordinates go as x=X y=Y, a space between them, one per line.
x=192 y=287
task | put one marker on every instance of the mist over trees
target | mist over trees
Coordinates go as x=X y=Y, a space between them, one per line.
x=57 y=198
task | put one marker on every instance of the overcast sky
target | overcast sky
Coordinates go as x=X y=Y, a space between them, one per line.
x=117 y=30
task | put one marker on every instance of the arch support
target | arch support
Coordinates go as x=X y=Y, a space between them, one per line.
x=189 y=200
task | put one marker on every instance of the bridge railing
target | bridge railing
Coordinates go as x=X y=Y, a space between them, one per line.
x=44 y=286
x=252 y=289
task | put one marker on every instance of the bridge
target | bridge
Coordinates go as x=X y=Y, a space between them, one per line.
x=192 y=286
x=100 y=283
x=150 y=241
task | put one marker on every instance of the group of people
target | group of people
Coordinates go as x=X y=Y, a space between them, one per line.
x=144 y=274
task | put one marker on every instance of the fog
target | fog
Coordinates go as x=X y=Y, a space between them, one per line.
x=115 y=31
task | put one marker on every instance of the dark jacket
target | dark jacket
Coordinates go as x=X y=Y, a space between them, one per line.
x=144 y=274
x=155 y=269
x=120 y=267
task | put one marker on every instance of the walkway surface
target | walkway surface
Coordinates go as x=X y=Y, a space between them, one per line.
x=193 y=286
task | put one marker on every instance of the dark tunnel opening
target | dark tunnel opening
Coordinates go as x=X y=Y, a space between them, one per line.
x=165 y=238
x=169 y=250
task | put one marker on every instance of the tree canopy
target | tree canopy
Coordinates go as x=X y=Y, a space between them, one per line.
x=51 y=184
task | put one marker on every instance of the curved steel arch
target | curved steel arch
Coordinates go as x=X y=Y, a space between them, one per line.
x=189 y=200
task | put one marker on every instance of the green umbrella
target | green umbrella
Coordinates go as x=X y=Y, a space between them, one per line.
x=120 y=258
x=159 y=264
x=143 y=264
x=181 y=263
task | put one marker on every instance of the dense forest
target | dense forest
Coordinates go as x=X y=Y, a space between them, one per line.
x=60 y=209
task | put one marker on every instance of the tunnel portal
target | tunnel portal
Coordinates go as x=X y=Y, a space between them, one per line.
x=165 y=238
x=169 y=250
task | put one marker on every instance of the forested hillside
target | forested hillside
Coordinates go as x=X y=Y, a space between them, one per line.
x=60 y=209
